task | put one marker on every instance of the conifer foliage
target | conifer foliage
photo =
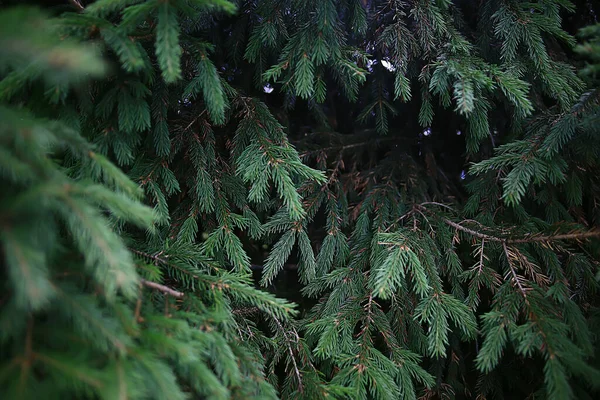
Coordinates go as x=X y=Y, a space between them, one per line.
x=423 y=172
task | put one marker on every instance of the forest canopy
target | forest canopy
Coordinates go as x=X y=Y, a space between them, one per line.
x=299 y=199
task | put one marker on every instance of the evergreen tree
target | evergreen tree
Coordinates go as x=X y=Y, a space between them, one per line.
x=299 y=199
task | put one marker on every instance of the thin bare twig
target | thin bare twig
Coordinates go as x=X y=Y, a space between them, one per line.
x=527 y=239
x=472 y=232
x=138 y=305
x=291 y=352
x=341 y=148
x=435 y=203
x=565 y=236
x=77 y=4
x=246 y=311
x=154 y=257
x=514 y=273
x=28 y=359
x=481 y=256
x=162 y=288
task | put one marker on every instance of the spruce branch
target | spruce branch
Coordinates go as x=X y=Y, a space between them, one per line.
x=163 y=261
x=83 y=311
x=531 y=312
x=350 y=207
x=60 y=365
x=153 y=285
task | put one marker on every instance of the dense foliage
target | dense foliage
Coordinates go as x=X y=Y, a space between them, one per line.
x=299 y=199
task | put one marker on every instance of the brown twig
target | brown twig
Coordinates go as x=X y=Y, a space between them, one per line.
x=28 y=359
x=287 y=267
x=481 y=256
x=246 y=311
x=565 y=236
x=77 y=4
x=138 y=305
x=162 y=288
x=472 y=232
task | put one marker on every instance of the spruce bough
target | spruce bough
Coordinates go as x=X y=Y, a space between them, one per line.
x=267 y=199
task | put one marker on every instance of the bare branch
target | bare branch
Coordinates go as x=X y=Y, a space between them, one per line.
x=154 y=257
x=527 y=239
x=566 y=236
x=244 y=311
x=481 y=256
x=77 y=4
x=291 y=353
x=435 y=203
x=162 y=288
x=514 y=273
x=472 y=232
x=341 y=148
